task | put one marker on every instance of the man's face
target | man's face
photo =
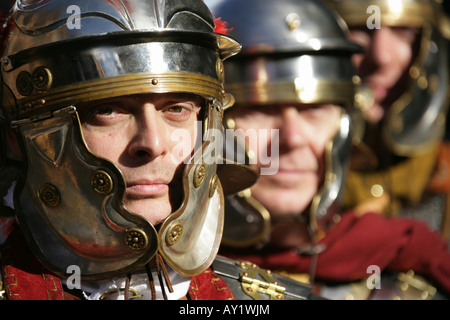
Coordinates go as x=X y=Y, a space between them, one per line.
x=135 y=133
x=389 y=52
x=304 y=131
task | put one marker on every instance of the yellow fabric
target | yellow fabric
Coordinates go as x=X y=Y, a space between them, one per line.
x=401 y=184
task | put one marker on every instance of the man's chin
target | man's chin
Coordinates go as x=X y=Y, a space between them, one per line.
x=286 y=212
x=283 y=202
x=284 y=209
x=153 y=213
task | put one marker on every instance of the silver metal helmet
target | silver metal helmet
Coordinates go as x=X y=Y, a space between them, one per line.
x=415 y=122
x=61 y=53
x=292 y=51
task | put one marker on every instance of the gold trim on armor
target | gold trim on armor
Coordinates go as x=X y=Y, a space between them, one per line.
x=393 y=13
x=118 y=86
x=258 y=208
x=314 y=91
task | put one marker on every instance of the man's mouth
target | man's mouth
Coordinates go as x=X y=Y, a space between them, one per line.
x=147 y=188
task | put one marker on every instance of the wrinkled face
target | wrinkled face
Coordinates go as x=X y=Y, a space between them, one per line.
x=135 y=133
x=303 y=132
x=389 y=52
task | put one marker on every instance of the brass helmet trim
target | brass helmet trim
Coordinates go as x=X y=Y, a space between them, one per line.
x=117 y=69
x=117 y=86
x=393 y=13
x=314 y=92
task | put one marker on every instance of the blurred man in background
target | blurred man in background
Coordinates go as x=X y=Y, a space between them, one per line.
x=400 y=163
x=295 y=85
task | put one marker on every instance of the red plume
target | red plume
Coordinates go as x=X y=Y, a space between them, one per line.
x=221 y=26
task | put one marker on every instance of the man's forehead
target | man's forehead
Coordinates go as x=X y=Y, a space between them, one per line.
x=152 y=97
x=281 y=105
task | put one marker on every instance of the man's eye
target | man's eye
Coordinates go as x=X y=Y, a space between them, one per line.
x=407 y=34
x=104 y=111
x=176 y=109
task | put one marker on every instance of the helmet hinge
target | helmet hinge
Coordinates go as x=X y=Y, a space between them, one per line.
x=253 y=286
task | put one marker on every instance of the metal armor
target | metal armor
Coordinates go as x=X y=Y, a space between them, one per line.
x=249 y=282
x=63 y=53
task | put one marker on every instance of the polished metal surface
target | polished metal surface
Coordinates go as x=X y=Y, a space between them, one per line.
x=323 y=206
x=120 y=47
x=286 y=54
x=415 y=123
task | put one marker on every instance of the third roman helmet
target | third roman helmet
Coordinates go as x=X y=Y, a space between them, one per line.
x=415 y=122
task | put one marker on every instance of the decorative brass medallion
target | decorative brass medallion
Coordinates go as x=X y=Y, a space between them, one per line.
x=49 y=195
x=101 y=182
x=42 y=79
x=174 y=233
x=199 y=175
x=24 y=83
x=136 y=239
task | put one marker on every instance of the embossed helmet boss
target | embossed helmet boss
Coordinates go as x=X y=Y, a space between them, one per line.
x=70 y=205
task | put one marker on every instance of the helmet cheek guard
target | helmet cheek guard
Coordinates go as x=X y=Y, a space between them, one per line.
x=69 y=205
x=81 y=220
x=186 y=247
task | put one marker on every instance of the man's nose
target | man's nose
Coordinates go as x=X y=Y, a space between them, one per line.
x=291 y=128
x=149 y=139
x=382 y=46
